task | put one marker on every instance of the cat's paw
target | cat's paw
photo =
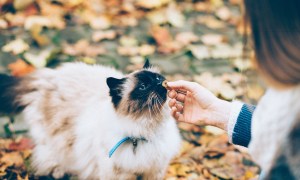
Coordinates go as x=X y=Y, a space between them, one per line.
x=58 y=173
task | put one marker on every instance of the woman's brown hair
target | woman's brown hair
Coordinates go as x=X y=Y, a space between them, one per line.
x=275 y=27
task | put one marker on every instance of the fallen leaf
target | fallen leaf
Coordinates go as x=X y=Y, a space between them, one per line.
x=174 y=16
x=242 y=64
x=151 y=4
x=137 y=60
x=236 y=2
x=214 y=130
x=22 y=4
x=20 y=68
x=128 y=41
x=101 y=35
x=200 y=51
x=165 y=41
x=128 y=50
x=202 y=6
x=157 y=17
x=100 y=22
x=94 y=50
x=212 y=39
x=222 y=50
x=16 y=46
x=255 y=91
x=227 y=92
x=88 y=60
x=186 y=38
x=42 y=21
x=185 y=147
x=211 y=22
x=84 y=48
x=3 y=24
x=20 y=145
x=12 y=158
x=17 y=19
x=223 y=13
x=127 y=20
x=35 y=31
x=216 y=3
x=39 y=60
x=146 y=50
x=161 y=35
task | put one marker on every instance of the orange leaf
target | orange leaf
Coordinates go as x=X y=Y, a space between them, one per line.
x=20 y=68
x=22 y=144
x=161 y=35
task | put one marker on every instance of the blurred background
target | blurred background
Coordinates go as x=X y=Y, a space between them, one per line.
x=197 y=40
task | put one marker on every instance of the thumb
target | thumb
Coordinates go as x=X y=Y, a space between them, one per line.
x=182 y=85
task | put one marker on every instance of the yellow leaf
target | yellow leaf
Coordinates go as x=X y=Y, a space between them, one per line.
x=128 y=41
x=16 y=46
x=12 y=158
x=157 y=17
x=22 y=4
x=88 y=60
x=35 y=31
x=146 y=50
x=152 y=3
x=137 y=60
x=185 y=147
x=38 y=60
x=183 y=170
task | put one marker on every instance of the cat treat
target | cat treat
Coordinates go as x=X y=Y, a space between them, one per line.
x=165 y=83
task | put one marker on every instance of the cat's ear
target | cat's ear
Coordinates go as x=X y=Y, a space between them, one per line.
x=114 y=83
x=115 y=89
x=147 y=64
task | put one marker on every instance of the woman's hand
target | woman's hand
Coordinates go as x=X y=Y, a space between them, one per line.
x=192 y=103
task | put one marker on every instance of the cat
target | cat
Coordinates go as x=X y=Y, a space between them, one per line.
x=94 y=122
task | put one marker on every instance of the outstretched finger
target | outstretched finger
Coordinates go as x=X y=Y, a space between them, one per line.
x=180 y=97
x=172 y=94
x=179 y=117
x=174 y=111
x=182 y=85
x=172 y=103
x=179 y=108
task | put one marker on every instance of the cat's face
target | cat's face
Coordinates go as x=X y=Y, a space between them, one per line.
x=139 y=94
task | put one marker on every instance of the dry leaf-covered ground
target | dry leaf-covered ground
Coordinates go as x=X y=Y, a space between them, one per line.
x=194 y=40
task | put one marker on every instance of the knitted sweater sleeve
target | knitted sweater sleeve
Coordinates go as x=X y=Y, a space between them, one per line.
x=239 y=124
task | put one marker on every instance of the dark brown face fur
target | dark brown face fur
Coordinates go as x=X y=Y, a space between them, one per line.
x=145 y=98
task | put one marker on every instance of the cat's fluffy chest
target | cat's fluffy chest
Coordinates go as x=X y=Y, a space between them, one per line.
x=108 y=130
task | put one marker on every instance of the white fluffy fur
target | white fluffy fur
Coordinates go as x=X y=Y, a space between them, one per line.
x=95 y=130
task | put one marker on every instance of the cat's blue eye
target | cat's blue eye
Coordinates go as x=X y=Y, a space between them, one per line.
x=157 y=78
x=142 y=86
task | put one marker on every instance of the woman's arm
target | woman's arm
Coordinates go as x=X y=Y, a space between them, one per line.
x=197 y=105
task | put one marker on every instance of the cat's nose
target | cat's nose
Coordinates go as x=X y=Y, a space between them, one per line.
x=160 y=81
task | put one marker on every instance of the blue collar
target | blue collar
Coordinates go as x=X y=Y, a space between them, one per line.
x=132 y=139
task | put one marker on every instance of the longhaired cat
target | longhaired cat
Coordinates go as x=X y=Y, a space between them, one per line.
x=95 y=122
